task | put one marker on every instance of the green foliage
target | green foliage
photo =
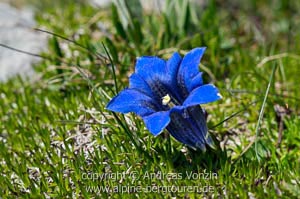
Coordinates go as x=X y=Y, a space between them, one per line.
x=56 y=133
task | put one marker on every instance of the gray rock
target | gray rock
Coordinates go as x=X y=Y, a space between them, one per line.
x=16 y=31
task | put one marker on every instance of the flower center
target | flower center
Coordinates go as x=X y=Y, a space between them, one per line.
x=166 y=100
x=165 y=96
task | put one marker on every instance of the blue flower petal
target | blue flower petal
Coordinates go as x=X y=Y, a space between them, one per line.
x=138 y=83
x=188 y=69
x=151 y=69
x=130 y=100
x=202 y=95
x=172 y=67
x=157 y=122
x=195 y=82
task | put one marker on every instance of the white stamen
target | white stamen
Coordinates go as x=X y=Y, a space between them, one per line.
x=166 y=99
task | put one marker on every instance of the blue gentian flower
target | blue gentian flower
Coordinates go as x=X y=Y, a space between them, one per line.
x=167 y=95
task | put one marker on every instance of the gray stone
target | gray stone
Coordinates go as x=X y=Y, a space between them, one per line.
x=16 y=31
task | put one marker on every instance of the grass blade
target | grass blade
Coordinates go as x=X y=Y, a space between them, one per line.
x=261 y=113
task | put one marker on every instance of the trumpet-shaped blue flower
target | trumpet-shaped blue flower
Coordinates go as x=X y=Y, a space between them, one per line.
x=168 y=95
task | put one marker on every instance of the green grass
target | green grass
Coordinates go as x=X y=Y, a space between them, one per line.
x=57 y=140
